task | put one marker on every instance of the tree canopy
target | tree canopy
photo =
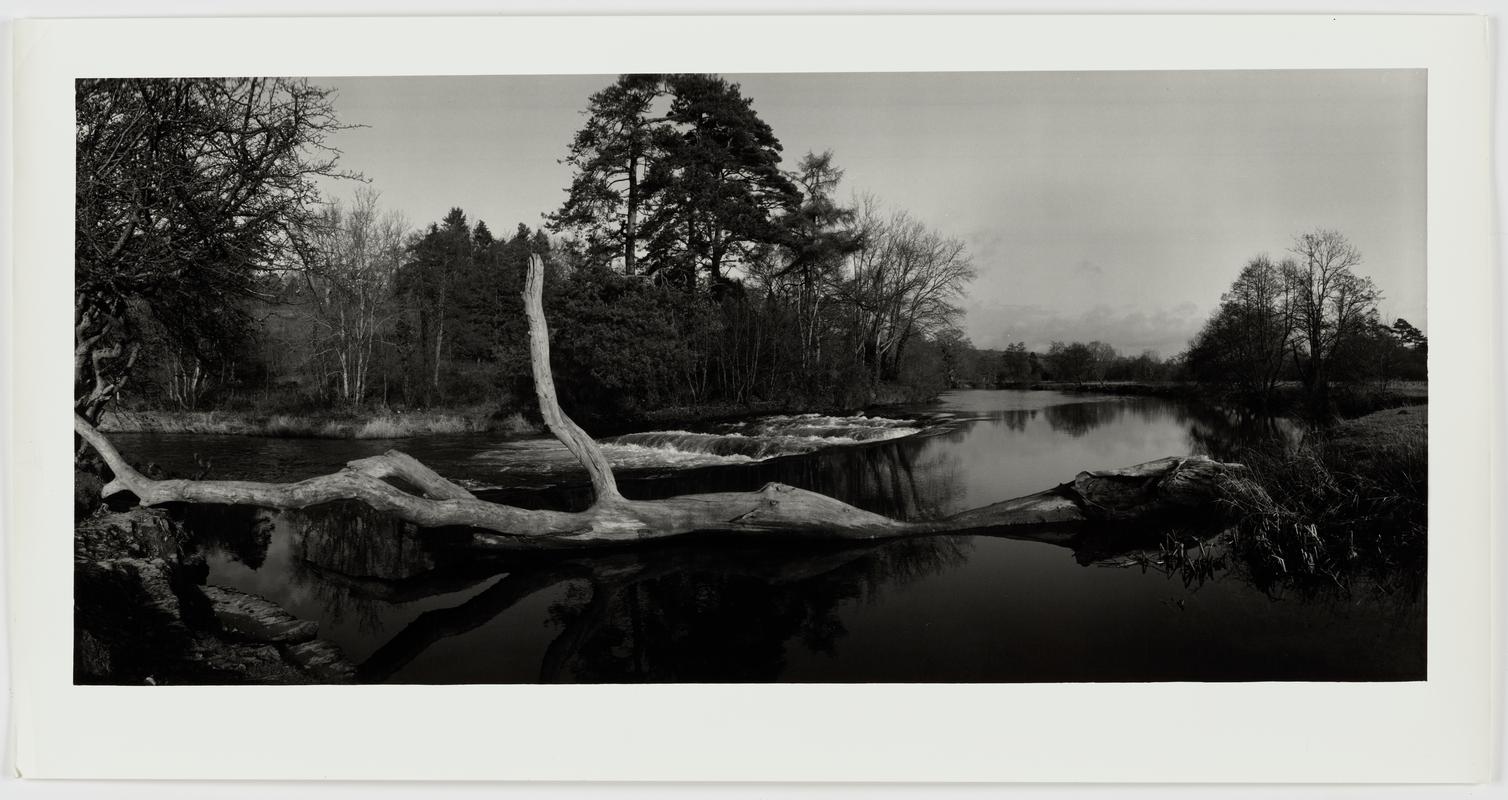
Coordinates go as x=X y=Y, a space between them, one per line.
x=1310 y=317
x=187 y=190
x=690 y=266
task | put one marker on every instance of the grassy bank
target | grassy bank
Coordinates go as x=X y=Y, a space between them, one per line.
x=1351 y=497
x=397 y=425
x=376 y=425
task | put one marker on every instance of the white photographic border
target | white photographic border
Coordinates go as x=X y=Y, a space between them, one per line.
x=1439 y=729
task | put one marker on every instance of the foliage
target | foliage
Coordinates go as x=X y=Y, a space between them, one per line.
x=718 y=188
x=691 y=270
x=1248 y=339
x=680 y=168
x=1309 y=318
x=608 y=156
x=617 y=342
x=187 y=191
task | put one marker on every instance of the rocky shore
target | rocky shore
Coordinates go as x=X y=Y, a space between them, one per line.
x=144 y=615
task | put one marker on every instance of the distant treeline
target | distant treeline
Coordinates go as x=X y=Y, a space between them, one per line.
x=1308 y=319
x=686 y=267
x=1075 y=362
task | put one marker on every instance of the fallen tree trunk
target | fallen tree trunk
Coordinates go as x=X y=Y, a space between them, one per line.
x=1146 y=490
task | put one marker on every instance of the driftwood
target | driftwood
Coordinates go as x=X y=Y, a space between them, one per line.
x=400 y=485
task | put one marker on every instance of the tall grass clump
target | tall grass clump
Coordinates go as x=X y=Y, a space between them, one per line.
x=391 y=426
x=1350 y=498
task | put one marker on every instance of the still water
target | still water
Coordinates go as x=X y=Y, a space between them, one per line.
x=409 y=609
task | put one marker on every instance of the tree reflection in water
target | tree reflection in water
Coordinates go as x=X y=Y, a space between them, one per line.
x=1223 y=433
x=1014 y=419
x=726 y=614
x=696 y=611
x=1077 y=419
x=315 y=551
x=1216 y=431
x=692 y=611
x=409 y=607
x=900 y=478
x=684 y=611
x=240 y=533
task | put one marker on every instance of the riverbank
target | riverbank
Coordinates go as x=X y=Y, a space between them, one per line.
x=1350 y=400
x=399 y=425
x=1353 y=496
x=345 y=425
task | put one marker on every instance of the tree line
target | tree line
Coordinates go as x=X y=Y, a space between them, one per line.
x=1309 y=318
x=686 y=266
x=1067 y=362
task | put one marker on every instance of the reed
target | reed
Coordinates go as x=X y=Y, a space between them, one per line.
x=1352 y=497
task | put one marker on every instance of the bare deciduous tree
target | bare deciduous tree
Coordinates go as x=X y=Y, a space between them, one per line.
x=1331 y=304
x=1248 y=339
x=355 y=254
x=903 y=284
x=186 y=191
x=1308 y=309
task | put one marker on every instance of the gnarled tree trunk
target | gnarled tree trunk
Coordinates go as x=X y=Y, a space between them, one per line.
x=1169 y=485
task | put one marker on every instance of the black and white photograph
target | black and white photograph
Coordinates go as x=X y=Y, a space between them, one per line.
x=860 y=377
x=803 y=401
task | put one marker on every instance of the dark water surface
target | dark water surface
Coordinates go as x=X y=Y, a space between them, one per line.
x=410 y=609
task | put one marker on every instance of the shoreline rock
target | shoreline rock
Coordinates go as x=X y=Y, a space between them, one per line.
x=142 y=615
x=257 y=619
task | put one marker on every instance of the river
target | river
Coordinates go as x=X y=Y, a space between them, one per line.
x=410 y=609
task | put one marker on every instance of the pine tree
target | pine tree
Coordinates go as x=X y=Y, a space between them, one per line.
x=718 y=185
x=610 y=155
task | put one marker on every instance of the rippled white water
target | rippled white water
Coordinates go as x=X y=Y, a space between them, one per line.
x=732 y=443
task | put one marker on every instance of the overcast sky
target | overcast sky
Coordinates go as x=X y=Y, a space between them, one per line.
x=1111 y=206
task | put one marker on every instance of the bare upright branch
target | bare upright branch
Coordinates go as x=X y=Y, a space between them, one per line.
x=568 y=432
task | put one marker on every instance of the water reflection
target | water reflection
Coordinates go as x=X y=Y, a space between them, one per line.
x=342 y=559
x=1077 y=419
x=689 y=612
x=1215 y=431
x=697 y=610
x=1071 y=603
x=906 y=479
x=1220 y=432
x=237 y=533
x=1015 y=419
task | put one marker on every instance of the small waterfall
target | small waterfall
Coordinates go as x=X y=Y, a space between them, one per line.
x=771 y=437
x=731 y=443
